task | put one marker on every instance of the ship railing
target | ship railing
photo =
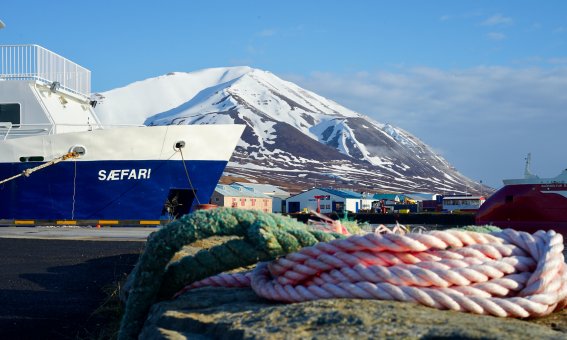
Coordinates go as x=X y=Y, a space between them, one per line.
x=7 y=127
x=33 y=62
x=9 y=130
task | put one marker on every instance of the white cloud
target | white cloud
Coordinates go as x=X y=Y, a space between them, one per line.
x=496 y=36
x=558 y=61
x=497 y=20
x=535 y=26
x=266 y=33
x=485 y=119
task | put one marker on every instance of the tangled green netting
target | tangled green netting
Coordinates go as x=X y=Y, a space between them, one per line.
x=265 y=236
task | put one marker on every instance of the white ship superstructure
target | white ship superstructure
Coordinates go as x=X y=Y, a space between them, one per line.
x=74 y=168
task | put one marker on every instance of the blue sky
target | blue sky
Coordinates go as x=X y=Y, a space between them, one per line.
x=482 y=82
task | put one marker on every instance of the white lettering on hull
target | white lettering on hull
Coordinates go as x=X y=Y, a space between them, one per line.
x=124 y=174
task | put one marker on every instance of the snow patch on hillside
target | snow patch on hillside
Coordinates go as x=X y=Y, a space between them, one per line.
x=288 y=129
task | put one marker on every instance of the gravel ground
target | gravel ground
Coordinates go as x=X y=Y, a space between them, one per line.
x=50 y=289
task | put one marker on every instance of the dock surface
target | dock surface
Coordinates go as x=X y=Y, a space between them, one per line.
x=53 y=281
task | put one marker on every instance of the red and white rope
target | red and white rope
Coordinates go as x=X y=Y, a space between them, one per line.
x=506 y=274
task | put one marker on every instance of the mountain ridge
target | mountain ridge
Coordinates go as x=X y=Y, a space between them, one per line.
x=294 y=138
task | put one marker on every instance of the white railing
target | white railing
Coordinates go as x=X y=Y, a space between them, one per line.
x=9 y=130
x=33 y=62
x=20 y=130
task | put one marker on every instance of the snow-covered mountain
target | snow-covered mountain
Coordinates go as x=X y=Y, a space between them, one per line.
x=294 y=138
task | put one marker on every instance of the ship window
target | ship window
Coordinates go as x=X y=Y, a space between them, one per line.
x=509 y=199
x=10 y=113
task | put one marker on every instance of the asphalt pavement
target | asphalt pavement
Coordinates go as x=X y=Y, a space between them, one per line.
x=53 y=280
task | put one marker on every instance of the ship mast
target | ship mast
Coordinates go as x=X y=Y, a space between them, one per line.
x=527 y=172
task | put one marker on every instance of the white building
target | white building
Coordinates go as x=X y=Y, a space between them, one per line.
x=278 y=195
x=329 y=200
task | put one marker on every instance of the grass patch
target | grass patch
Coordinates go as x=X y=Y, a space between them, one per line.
x=104 y=322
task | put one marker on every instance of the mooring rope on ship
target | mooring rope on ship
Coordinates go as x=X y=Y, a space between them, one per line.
x=506 y=273
x=28 y=172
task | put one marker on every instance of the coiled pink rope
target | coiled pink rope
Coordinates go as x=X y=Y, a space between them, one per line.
x=506 y=274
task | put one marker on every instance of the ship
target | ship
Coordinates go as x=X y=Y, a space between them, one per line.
x=59 y=162
x=528 y=204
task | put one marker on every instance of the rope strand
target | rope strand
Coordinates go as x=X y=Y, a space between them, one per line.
x=74 y=191
x=28 y=172
x=189 y=178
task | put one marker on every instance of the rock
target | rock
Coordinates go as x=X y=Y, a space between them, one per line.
x=230 y=313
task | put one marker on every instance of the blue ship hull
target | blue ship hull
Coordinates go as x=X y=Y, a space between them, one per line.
x=107 y=190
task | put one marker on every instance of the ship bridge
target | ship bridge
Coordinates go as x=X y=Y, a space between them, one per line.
x=42 y=92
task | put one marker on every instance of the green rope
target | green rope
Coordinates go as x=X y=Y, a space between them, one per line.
x=265 y=236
